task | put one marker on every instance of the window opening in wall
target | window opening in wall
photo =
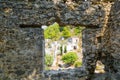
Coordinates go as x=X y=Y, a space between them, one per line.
x=99 y=39
x=63 y=46
x=99 y=65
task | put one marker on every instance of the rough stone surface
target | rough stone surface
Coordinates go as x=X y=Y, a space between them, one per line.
x=47 y=12
x=20 y=52
x=22 y=41
x=101 y=44
x=69 y=74
x=111 y=41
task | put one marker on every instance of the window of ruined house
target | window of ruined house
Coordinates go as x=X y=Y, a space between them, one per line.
x=99 y=65
x=59 y=41
x=56 y=46
x=99 y=39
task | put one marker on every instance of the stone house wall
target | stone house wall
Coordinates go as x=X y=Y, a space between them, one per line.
x=22 y=39
x=21 y=52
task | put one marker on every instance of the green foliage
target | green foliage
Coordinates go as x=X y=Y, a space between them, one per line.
x=47 y=68
x=48 y=59
x=61 y=29
x=78 y=30
x=66 y=32
x=78 y=63
x=55 y=32
x=52 y=32
x=69 y=58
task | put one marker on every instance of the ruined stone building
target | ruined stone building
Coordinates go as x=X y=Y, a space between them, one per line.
x=22 y=38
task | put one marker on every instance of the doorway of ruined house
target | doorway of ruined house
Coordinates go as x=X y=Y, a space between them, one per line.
x=63 y=46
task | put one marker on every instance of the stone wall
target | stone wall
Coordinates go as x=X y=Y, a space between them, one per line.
x=20 y=52
x=111 y=41
x=98 y=44
x=115 y=36
x=37 y=13
x=22 y=39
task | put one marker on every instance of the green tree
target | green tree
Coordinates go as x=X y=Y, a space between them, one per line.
x=69 y=58
x=78 y=30
x=48 y=59
x=52 y=32
x=66 y=32
x=78 y=63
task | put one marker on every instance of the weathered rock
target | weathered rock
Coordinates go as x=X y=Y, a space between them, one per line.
x=113 y=38
x=39 y=14
x=20 y=51
x=70 y=74
x=22 y=41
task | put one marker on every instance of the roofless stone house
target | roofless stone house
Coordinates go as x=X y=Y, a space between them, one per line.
x=22 y=39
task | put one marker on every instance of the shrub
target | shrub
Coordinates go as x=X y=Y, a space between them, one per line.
x=69 y=58
x=48 y=59
x=78 y=63
x=47 y=68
